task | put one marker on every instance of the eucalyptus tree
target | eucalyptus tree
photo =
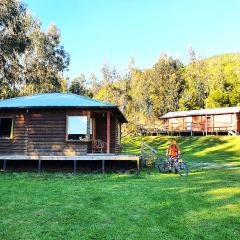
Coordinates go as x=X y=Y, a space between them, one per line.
x=31 y=60
x=13 y=42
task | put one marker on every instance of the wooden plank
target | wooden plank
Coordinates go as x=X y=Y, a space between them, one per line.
x=108 y=131
x=149 y=147
x=87 y=157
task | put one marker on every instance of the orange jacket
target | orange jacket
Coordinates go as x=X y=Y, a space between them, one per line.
x=173 y=150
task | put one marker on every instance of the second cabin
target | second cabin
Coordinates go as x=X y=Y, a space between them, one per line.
x=216 y=120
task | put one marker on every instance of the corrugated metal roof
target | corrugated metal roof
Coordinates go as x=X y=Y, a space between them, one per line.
x=210 y=111
x=53 y=100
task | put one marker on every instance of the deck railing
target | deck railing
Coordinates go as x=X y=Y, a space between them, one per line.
x=148 y=156
x=216 y=127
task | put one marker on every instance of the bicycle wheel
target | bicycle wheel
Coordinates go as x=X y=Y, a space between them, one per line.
x=163 y=167
x=182 y=169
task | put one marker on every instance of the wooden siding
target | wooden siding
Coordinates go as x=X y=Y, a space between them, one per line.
x=210 y=123
x=17 y=145
x=43 y=132
x=46 y=134
x=238 y=122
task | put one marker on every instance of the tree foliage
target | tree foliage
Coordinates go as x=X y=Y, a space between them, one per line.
x=78 y=86
x=145 y=95
x=31 y=60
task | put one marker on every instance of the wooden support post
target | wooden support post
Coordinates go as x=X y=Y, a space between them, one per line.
x=94 y=129
x=103 y=166
x=74 y=166
x=88 y=125
x=138 y=167
x=39 y=165
x=213 y=124
x=108 y=131
x=4 y=165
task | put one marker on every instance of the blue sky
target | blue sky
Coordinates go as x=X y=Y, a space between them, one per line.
x=99 y=31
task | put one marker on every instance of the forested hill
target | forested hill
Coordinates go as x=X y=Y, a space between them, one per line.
x=223 y=59
x=212 y=82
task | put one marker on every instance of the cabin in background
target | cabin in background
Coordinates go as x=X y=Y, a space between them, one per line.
x=205 y=121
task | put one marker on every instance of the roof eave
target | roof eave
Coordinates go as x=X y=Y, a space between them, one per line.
x=113 y=107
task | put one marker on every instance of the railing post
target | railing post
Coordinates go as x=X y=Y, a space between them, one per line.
x=39 y=165
x=4 y=165
x=74 y=166
x=103 y=166
x=108 y=131
x=138 y=167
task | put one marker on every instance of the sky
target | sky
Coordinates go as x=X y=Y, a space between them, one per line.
x=95 y=32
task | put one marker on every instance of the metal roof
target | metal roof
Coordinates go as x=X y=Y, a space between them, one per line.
x=201 y=112
x=62 y=100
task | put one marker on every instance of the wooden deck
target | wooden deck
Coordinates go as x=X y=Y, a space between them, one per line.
x=75 y=159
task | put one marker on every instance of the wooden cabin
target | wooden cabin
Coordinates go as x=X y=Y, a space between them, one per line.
x=216 y=120
x=60 y=126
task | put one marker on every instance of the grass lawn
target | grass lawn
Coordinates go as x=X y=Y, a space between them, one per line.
x=205 y=205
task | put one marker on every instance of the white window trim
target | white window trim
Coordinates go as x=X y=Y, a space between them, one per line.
x=89 y=135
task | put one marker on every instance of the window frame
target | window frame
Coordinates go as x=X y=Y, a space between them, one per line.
x=12 y=129
x=88 y=135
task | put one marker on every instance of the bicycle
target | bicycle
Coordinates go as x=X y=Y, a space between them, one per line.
x=176 y=164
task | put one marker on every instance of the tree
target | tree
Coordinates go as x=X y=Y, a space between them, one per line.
x=45 y=60
x=197 y=80
x=31 y=61
x=157 y=90
x=78 y=86
x=93 y=85
x=13 y=43
x=109 y=74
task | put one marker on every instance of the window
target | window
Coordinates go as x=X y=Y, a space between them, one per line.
x=6 y=128
x=79 y=128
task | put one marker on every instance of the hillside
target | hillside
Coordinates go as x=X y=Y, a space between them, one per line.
x=223 y=59
x=217 y=78
x=208 y=149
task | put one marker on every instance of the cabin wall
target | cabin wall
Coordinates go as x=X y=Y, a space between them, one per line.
x=17 y=145
x=47 y=132
x=238 y=122
x=43 y=132
x=198 y=123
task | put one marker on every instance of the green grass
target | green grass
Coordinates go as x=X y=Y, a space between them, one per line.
x=205 y=205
